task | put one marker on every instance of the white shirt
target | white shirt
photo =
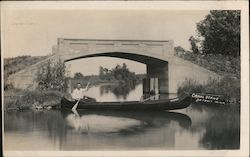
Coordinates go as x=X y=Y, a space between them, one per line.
x=78 y=93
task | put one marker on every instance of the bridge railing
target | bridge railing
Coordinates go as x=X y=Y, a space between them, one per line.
x=162 y=49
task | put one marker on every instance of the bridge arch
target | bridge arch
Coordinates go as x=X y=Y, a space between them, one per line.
x=154 y=53
x=156 y=68
x=142 y=58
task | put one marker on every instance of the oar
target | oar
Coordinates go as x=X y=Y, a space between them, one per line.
x=75 y=106
x=76 y=113
x=88 y=86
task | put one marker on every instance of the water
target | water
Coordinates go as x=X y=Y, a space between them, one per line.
x=194 y=128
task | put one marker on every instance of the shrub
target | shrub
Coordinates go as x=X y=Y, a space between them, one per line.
x=190 y=86
x=43 y=98
x=52 y=76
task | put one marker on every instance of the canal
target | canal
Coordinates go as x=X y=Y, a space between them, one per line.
x=198 y=127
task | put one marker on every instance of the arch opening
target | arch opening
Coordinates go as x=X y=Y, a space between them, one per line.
x=130 y=56
x=157 y=77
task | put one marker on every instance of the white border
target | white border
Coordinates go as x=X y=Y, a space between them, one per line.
x=125 y=5
x=153 y=5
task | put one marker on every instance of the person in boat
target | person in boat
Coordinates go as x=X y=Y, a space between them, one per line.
x=78 y=93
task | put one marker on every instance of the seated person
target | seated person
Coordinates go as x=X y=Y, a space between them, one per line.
x=78 y=93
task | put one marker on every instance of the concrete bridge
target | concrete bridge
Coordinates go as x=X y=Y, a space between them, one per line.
x=165 y=71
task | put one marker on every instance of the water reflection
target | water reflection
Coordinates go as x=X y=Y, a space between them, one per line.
x=219 y=126
x=100 y=124
x=122 y=122
x=64 y=130
x=33 y=127
x=210 y=128
x=120 y=91
x=113 y=92
x=222 y=128
x=196 y=127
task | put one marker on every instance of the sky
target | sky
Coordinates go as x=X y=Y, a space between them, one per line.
x=34 y=32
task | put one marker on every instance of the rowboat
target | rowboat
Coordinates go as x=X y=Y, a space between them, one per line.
x=162 y=104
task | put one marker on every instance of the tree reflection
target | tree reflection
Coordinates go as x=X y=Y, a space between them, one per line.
x=222 y=130
x=120 y=90
x=50 y=121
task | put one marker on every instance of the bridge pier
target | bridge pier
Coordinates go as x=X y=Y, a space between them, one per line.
x=156 y=78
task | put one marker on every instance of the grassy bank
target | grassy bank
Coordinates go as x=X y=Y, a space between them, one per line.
x=227 y=66
x=228 y=87
x=15 y=64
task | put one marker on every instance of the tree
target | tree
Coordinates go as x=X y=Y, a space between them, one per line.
x=220 y=31
x=119 y=73
x=78 y=75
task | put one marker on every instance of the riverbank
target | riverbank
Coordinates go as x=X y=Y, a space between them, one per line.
x=15 y=99
x=227 y=87
x=226 y=66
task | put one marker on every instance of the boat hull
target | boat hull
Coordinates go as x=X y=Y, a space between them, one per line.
x=167 y=104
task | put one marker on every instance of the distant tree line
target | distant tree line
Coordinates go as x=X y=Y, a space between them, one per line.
x=53 y=76
x=121 y=73
x=78 y=75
